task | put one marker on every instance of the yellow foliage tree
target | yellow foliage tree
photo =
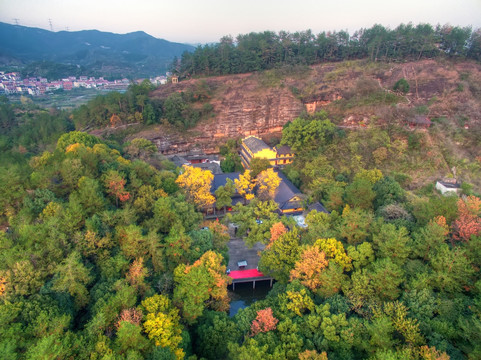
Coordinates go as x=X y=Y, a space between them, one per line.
x=373 y=175
x=162 y=323
x=268 y=182
x=196 y=183
x=335 y=250
x=3 y=284
x=298 y=302
x=245 y=185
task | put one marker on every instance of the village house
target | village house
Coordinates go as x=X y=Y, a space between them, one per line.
x=254 y=147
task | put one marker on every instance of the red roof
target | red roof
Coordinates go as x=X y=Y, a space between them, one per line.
x=243 y=274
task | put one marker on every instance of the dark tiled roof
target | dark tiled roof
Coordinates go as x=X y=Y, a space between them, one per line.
x=449 y=185
x=178 y=160
x=201 y=157
x=284 y=149
x=214 y=168
x=221 y=180
x=285 y=191
x=254 y=144
x=318 y=207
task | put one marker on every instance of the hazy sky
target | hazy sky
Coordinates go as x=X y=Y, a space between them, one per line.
x=199 y=21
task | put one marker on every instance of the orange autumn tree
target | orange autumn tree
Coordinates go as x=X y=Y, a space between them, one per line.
x=264 y=322
x=137 y=274
x=310 y=266
x=441 y=221
x=131 y=315
x=312 y=355
x=115 y=120
x=324 y=260
x=430 y=353
x=276 y=230
x=468 y=222
x=115 y=186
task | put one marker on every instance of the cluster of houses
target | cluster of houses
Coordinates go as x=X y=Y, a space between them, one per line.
x=12 y=83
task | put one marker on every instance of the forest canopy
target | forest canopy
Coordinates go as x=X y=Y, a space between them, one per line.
x=268 y=49
x=106 y=256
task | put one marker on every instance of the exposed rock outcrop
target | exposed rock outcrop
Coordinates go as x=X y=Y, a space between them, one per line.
x=241 y=108
x=262 y=103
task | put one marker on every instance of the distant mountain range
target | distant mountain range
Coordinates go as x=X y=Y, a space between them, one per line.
x=105 y=53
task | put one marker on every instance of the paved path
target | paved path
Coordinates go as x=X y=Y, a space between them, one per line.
x=238 y=251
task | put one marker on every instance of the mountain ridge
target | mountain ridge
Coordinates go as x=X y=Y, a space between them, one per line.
x=139 y=51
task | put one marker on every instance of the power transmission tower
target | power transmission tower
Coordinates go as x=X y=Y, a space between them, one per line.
x=50 y=22
x=16 y=21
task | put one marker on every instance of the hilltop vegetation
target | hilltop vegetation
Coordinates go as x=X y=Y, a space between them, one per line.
x=268 y=50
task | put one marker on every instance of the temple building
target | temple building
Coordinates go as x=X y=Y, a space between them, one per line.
x=254 y=147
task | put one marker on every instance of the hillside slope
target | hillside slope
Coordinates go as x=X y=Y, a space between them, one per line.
x=261 y=103
x=356 y=95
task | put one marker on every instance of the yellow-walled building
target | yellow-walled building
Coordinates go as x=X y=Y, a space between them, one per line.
x=284 y=155
x=254 y=147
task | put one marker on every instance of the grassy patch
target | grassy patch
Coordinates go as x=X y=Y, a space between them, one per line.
x=376 y=98
x=276 y=77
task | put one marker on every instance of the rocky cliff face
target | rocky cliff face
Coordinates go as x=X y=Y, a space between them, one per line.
x=241 y=107
x=261 y=104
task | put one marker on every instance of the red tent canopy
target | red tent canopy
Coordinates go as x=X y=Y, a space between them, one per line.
x=243 y=274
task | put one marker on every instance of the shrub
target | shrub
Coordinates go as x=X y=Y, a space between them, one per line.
x=402 y=86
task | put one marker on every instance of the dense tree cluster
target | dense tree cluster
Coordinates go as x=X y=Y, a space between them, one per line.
x=29 y=128
x=267 y=50
x=93 y=239
x=182 y=110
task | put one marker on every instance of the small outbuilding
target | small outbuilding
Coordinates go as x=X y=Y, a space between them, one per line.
x=448 y=186
x=419 y=121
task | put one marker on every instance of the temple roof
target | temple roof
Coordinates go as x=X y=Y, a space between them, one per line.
x=255 y=144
